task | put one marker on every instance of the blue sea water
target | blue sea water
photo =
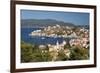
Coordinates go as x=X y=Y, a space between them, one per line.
x=39 y=40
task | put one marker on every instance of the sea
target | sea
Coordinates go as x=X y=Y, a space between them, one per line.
x=39 y=40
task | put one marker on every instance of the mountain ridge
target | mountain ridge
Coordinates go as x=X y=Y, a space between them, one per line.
x=32 y=23
x=43 y=22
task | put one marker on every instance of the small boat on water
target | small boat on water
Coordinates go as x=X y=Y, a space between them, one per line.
x=43 y=38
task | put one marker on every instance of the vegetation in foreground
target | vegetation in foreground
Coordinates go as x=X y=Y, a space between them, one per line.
x=32 y=53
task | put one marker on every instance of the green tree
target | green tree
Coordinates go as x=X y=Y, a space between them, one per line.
x=30 y=53
x=26 y=52
x=79 y=53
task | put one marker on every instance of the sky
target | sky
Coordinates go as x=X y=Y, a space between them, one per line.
x=72 y=17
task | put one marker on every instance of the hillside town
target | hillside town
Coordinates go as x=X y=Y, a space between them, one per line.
x=79 y=38
x=55 y=31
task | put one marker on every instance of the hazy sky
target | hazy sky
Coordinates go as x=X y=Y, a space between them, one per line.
x=72 y=17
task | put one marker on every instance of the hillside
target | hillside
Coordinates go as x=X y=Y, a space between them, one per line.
x=29 y=23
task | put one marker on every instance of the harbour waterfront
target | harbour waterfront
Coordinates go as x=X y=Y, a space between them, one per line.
x=39 y=40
